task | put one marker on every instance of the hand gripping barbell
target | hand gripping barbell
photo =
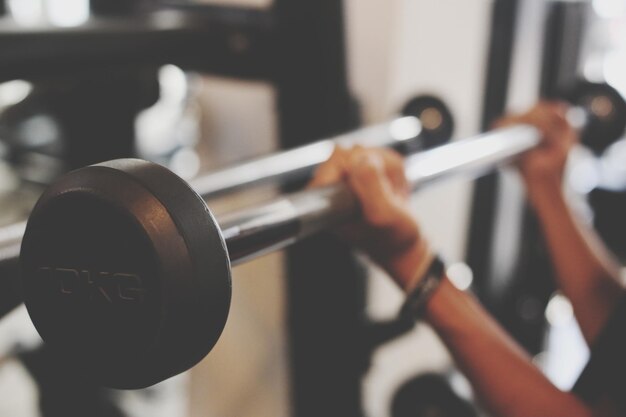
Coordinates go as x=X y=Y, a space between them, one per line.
x=126 y=273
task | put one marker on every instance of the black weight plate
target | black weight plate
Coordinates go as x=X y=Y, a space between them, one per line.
x=435 y=116
x=606 y=109
x=125 y=273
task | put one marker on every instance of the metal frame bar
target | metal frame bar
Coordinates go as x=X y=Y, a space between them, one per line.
x=230 y=41
x=534 y=281
x=483 y=210
x=297 y=164
x=529 y=281
x=314 y=100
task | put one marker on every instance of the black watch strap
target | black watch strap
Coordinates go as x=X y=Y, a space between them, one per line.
x=416 y=300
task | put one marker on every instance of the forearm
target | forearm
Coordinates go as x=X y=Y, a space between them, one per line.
x=585 y=270
x=502 y=375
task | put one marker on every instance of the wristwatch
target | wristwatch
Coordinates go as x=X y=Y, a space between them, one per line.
x=416 y=300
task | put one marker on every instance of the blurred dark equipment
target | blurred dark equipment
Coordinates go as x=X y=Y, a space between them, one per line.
x=436 y=118
x=605 y=109
x=608 y=206
x=429 y=395
x=120 y=7
x=54 y=396
x=94 y=116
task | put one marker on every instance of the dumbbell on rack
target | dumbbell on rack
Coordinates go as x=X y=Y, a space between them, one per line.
x=126 y=272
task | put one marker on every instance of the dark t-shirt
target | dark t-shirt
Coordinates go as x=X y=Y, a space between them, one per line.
x=603 y=381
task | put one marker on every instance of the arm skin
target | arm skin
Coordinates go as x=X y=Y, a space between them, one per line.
x=586 y=272
x=502 y=375
x=500 y=372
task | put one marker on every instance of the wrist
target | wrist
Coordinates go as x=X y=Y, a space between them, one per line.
x=440 y=299
x=422 y=289
x=447 y=303
x=545 y=190
x=406 y=267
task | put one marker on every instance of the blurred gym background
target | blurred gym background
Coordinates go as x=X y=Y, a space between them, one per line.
x=198 y=85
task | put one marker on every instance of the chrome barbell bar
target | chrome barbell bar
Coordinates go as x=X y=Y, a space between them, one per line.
x=252 y=232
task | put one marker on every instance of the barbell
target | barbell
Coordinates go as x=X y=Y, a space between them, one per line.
x=126 y=272
x=425 y=124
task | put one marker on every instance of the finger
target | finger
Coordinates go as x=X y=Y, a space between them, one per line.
x=509 y=120
x=393 y=166
x=540 y=115
x=394 y=169
x=546 y=117
x=331 y=171
x=555 y=111
x=553 y=123
x=555 y=106
x=369 y=182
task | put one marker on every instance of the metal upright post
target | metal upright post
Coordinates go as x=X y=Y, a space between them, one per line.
x=325 y=285
x=484 y=201
x=520 y=302
x=534 y=276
